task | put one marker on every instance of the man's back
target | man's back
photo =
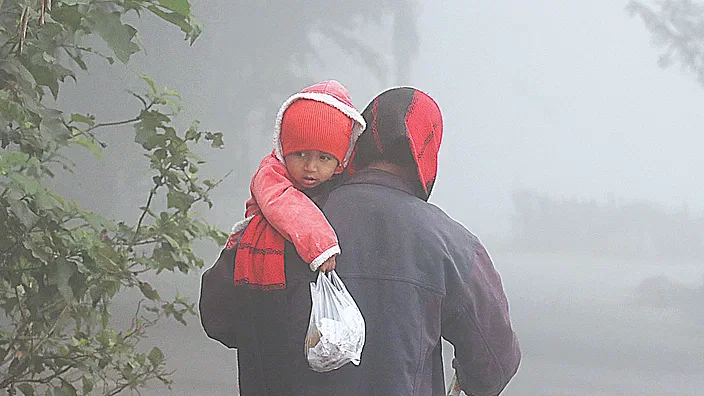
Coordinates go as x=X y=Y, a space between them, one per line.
x=415 y=274
x=401 y=257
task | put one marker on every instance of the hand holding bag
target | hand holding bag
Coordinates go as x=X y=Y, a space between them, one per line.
x=336 y=329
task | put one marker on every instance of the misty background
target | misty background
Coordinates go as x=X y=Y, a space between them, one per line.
x=567 y=150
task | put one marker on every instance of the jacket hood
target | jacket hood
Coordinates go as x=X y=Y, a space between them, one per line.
x=405 y=112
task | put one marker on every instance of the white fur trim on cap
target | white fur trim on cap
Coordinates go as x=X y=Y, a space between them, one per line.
x=348 y=110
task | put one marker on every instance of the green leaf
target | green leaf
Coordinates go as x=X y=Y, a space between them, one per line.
x=64 y=271
x=192 y=133
x=87 y=384
x=196 y=29
x=29 y=185
x=179 y=200
x=96 y=221
x=45 y=201
x=180 y=6
x=172 y=241
x=173 y=105
x=79 y=60
x=156 y=357
x=38 y=251
x=66 y=389
x=116 y=34
x=44 y=76
x=53 y=123
x=20 y=209
x=176 y=18
x=171 y=92
x=148 y=291
x=216 y=139
x=104 y=319
x=148 y=81
x=145 y=129
x=143 y=134
x=13 y=159
x=68 y=15
x=141 y=358
x=15 y=68
x=90 y=144
x=89 y=120
x=27 y=389
x=49 y=73
x=76 y=2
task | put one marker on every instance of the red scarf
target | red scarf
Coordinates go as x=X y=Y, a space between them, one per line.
x=292 y=216
x=259 y=261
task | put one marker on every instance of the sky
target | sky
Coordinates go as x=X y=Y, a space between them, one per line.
x=561 y=98
x=565 y=99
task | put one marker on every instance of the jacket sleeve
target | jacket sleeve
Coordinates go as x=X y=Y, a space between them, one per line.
x=476 y=321
x=292 y=213
x=220 y=302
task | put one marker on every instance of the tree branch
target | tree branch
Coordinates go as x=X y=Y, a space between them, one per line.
x=114 y=123
x=152 y=192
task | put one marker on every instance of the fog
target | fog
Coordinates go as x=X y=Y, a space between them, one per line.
x=563 y=101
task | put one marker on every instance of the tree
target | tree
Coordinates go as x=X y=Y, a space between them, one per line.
x=678 y=26
x=271 y=46
x=256 y=54
x=62 y=266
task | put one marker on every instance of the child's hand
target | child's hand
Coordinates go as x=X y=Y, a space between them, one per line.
x=328 y=265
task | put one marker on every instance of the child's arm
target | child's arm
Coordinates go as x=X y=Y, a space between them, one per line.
x=293 y=214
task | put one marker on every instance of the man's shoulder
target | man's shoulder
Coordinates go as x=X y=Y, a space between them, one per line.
x=452 y=229
x=362 y=200
x=448 y=220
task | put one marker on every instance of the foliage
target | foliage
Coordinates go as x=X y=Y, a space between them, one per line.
x=678 y=26
x=61 y=266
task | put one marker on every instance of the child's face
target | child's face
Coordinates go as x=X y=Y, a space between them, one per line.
x=310 y=168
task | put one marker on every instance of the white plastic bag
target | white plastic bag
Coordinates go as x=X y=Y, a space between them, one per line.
x=454 y=389
x=336 y=329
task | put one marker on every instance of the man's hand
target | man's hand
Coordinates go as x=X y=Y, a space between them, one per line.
x=328 y=265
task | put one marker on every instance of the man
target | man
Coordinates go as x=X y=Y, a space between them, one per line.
x=415 y=274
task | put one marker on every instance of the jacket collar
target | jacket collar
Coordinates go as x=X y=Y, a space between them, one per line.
x=380 y=178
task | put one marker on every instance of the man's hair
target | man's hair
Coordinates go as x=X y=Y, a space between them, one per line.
x=398 y=153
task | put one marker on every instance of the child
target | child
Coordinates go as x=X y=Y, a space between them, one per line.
x=315 y=133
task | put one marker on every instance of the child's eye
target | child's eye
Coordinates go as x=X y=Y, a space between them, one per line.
x=325 y=158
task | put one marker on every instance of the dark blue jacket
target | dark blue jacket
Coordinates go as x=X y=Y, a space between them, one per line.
x=416 y=275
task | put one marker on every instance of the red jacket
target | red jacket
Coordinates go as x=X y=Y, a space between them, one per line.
x=290 y=212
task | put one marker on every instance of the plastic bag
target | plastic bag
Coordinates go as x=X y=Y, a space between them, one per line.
x=454 y=389
x=336 y=329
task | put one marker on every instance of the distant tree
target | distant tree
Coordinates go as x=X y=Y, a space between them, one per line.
x=678 y=26
x=274 y=46
x=61 y=266
x=274 y=39
x=260 y=52
x=633 y=230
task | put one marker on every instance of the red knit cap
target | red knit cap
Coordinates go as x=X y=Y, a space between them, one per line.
x=313 y=125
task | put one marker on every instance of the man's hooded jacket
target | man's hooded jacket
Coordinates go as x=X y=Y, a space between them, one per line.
x=416 y=275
